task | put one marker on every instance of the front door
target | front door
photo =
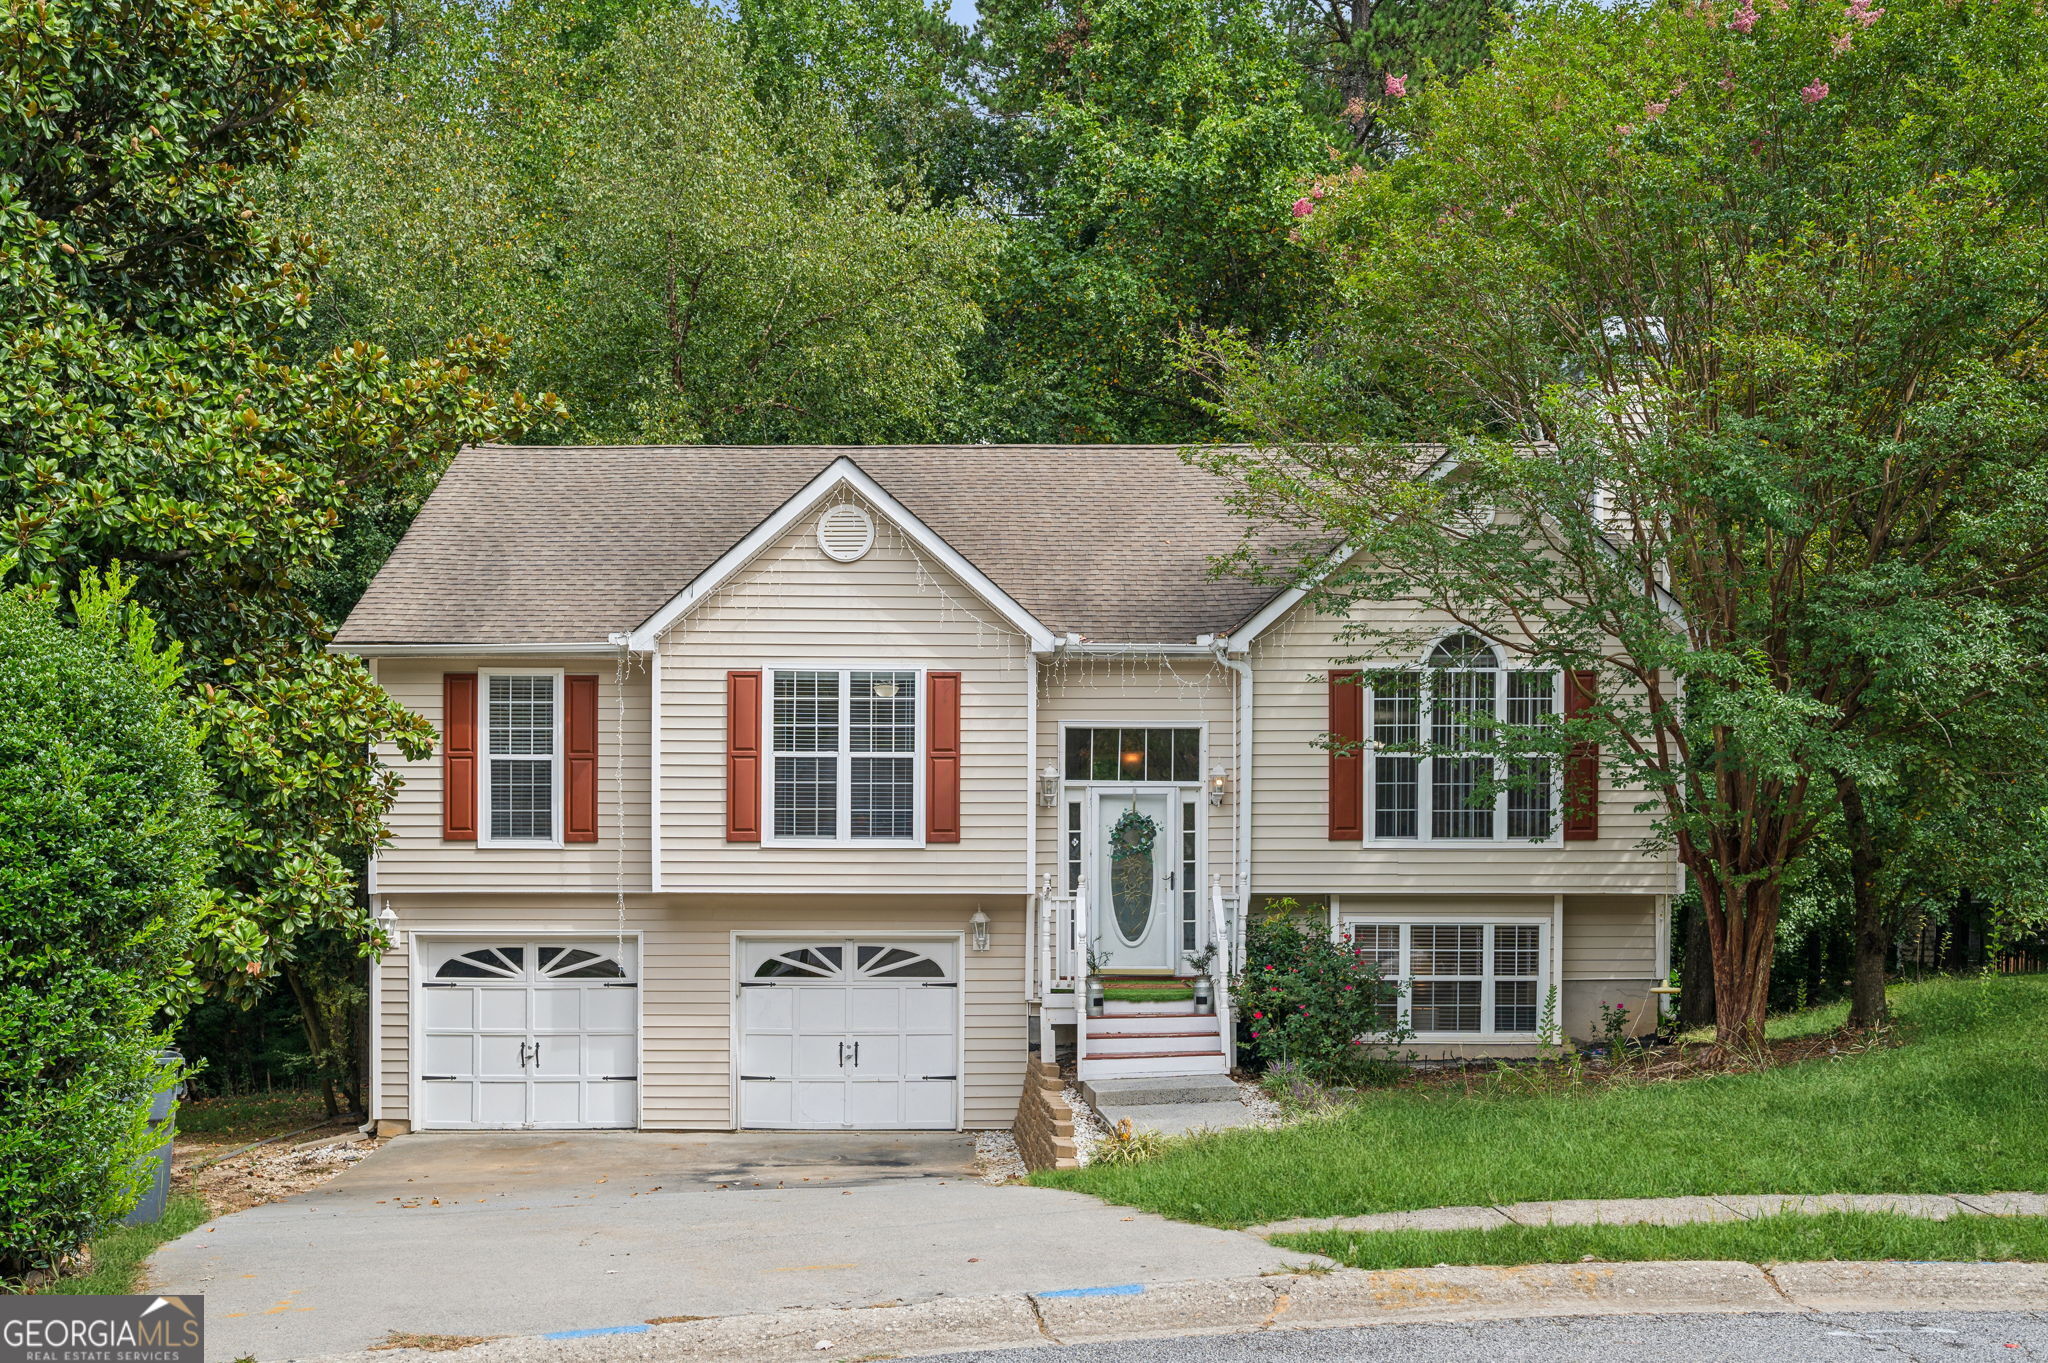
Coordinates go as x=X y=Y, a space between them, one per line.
x=1131 y=881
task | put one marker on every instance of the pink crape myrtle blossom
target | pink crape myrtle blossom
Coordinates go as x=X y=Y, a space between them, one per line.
x=1397 y=86
x=1841 y=43
x=1816 y=92
x=1860 y=13
x=1745 y=18
x=1655 y=108
x=1304 y=207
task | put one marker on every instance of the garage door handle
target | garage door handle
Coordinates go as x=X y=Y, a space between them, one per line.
x=437 y=1076
x=763 y=1077
x=942 y=1076
x=437 y=984
x=635 y=1076
x=942 y=984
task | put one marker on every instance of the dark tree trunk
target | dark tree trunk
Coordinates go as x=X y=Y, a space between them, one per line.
x=1696 y=981
x=1872 y=940
x=316 y=1038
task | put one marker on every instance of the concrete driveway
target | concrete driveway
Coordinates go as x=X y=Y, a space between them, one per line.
x=519 y=1233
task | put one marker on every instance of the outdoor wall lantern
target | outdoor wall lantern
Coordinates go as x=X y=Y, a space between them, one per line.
x=977 y=926
x=388 y=920
x=1219 y=785
x=1049 y=786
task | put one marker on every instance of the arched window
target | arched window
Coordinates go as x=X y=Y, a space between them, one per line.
x=1436 y=774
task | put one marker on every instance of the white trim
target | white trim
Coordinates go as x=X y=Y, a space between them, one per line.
x=653 y=772
x=414 y=1013
x=841 y=473
x=483 y=785
x=1487 y=919
x=1031 y=824
x=472 y=650
x=373 y=1063
x=918 y=755
x=737 y=936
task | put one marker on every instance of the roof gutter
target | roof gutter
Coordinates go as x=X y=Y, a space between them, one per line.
x=578 y=646
x=1074 y=646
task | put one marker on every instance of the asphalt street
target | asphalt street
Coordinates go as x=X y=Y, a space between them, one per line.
x=1924 y=1337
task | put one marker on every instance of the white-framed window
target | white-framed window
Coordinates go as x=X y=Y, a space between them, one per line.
x=1461 y=980
x=521 y=791
x=1422 y=788
x=844 y=746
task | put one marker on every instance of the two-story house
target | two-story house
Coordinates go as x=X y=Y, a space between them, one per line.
x=796 y=787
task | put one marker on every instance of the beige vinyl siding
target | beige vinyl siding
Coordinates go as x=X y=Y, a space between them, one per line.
x=1291 y=849
x=687 y=986
x=794 y=607
x=1136 y=693
x=418 y=859
x=1610 y=937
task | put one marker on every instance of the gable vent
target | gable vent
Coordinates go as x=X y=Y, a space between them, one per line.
x=845 y=533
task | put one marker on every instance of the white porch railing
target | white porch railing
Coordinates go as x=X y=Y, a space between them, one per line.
x=1060 y=953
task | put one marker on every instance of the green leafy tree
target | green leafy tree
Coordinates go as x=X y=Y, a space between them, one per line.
x=1162 y=147
x=1730 y=319
x=150 y=416
x=1374 y=53
x=639 y=224
x=1308 y=1000
x=107 y=826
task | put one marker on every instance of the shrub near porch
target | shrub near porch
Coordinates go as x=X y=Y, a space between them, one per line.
x=1957 y=1109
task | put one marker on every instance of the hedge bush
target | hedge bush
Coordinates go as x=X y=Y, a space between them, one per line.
x=1310 y=1002
x=106 y=834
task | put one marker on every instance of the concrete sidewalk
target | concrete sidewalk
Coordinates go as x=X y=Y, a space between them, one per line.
x=1670 y=1211
x=522 y=1233
x=1287 y=1302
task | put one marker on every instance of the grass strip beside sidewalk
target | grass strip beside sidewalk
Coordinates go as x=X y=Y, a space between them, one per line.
x=1789 y=1238
x=1955 y=1110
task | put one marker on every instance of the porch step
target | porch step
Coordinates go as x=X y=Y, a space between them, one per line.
x=1095 y=1069
x=1151 y=1055
x=1117 y=1008
x=1176 y=1090
x=1152 y=1043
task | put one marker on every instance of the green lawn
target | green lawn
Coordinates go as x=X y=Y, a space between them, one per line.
x=118 y=1255
x=1770 y=1239
x=1959 y=1109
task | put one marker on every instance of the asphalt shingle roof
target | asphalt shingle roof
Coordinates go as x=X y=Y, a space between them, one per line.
x=540 y=545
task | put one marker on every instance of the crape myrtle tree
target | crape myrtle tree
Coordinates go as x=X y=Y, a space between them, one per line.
x=150 y=417
x=1727 y=318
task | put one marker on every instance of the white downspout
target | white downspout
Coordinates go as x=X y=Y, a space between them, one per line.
x=1243 y=737
x=1032 y=927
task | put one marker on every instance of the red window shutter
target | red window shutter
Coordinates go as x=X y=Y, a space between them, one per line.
x=579 y=788
x=743 y=757
x=458 y=756
x=1582 y=768
x=942 y=757
x=1347 y=756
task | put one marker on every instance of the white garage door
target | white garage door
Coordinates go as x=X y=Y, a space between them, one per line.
x=849 y=1033
x=528 y=1033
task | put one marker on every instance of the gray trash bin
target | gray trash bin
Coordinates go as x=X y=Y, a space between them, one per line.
x=151 y=1207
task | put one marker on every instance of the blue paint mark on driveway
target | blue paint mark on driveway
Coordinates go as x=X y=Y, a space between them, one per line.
x=600 y=1330
x=1121 y=1290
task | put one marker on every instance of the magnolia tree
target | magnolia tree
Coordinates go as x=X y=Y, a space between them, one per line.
x=1698 y=346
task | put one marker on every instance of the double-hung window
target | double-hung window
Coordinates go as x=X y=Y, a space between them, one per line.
x=1460 y=979
x=522 y=785
x=1436 y=772
x=845 y=748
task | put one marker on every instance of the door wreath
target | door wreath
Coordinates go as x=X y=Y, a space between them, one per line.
x=1130 y=872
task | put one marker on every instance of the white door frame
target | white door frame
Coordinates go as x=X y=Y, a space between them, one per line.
x=732 y=1028
x=414 y=1011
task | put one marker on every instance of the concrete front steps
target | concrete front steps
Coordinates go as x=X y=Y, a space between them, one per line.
x=1152 y=1040
x=1171 y=1106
